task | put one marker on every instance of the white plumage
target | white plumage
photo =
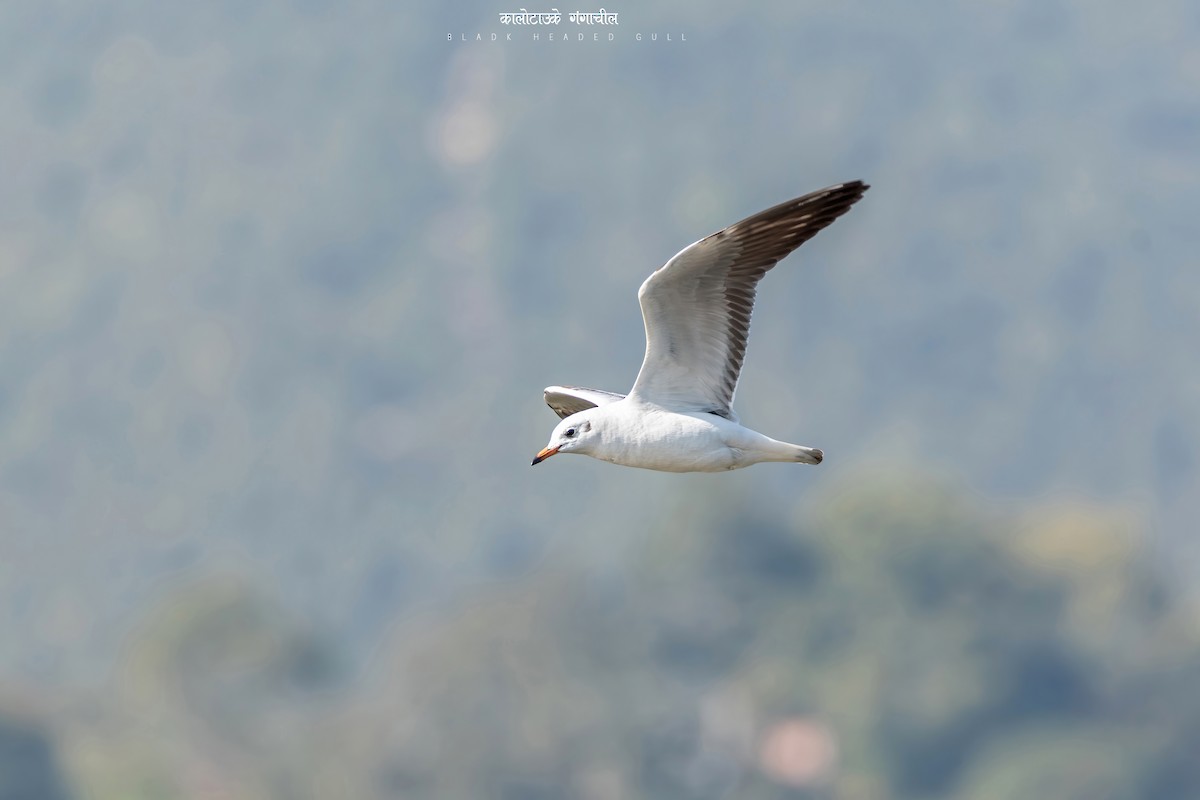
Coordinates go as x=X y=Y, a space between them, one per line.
x=679 y=415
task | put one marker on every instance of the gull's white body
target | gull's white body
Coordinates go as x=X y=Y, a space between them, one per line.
x=679 y=415
x=637 y=434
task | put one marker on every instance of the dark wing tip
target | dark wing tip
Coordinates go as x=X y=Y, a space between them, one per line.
x=768 y=236
x=815 y=209
x=839 y=196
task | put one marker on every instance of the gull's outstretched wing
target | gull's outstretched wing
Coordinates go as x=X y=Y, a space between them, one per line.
x=697 y=307
x=568 y=400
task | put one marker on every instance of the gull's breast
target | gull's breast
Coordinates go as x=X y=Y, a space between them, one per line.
x=669 y=442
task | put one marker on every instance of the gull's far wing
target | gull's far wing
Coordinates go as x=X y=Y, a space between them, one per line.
x=568 y=400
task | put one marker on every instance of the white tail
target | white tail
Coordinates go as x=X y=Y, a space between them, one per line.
x=809 y=455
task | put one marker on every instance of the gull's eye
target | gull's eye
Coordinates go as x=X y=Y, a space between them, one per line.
x=569 y=432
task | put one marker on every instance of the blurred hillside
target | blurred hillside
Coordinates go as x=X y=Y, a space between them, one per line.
x=280 y=284
x=896 y=641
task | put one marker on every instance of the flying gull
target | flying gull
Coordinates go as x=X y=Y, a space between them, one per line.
x=679 y=415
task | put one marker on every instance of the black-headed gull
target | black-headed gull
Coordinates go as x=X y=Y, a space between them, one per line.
x=679 y=415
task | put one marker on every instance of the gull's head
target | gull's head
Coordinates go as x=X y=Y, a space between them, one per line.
x=575 y=434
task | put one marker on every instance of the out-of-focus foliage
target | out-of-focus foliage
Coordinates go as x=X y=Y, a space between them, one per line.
x=898 y=641
x=281 y=281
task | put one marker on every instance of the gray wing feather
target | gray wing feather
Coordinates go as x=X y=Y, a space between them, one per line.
x=568 y=400
x=697 y=307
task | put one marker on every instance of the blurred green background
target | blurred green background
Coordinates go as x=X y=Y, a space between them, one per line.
x=281 y=283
